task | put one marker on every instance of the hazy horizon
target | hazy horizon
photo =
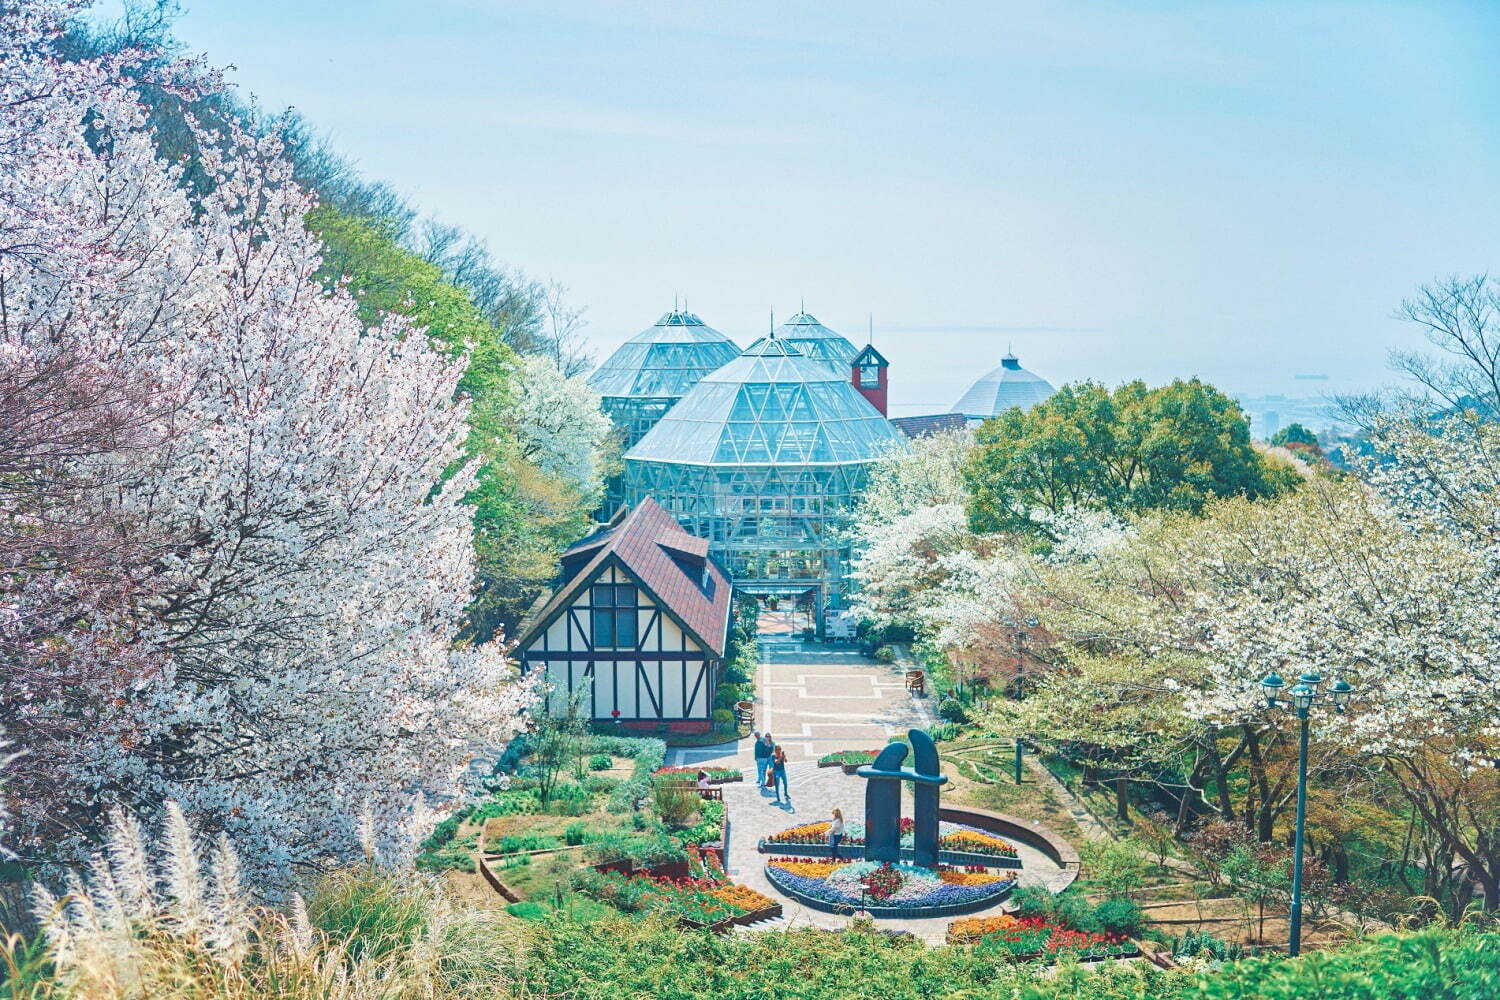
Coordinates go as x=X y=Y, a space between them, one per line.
x=1113 y=190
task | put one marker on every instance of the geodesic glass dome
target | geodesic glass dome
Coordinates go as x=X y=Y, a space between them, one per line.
x=641 y=380
x=765 y=458
x=1008 y=386
x=812 y=339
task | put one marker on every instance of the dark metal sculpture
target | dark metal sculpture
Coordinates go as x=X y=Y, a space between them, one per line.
x=883 y=800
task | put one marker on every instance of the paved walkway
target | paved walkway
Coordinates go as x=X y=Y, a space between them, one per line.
x=817 y=700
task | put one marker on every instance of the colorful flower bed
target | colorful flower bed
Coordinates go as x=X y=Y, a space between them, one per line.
x=951 y=837
x=968 y=840
x=847 y=758
x=1019 y=939
x=716 y=775
x=856 y=884
x=690 y=900
x=704 y=897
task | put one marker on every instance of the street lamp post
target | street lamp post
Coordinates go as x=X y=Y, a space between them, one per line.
x=1300 y=699
x=1020 y=630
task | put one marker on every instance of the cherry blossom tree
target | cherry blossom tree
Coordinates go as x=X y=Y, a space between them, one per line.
x=306 y=578
x=561 y=426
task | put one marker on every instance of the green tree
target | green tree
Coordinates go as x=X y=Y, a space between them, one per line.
x=1294 y=434
x=1174 y=447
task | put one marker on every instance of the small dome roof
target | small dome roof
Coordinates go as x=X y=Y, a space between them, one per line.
x=771 y=405
x=664 y=360
x=818 y=342
x=1006 y=387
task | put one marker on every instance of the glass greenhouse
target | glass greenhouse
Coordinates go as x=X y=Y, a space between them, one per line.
x=651 y=371
x=1008 y=386
x=656 y=367
x=812 y=339
x=764 y=458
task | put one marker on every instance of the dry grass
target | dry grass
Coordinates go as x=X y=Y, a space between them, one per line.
x=179 y=930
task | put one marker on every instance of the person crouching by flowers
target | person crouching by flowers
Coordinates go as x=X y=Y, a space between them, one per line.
x=836 y=833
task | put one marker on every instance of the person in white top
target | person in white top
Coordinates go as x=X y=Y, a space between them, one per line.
x=836 y=833
x=703 y=781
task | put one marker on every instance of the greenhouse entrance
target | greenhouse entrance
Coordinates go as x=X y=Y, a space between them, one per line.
x=788 y=613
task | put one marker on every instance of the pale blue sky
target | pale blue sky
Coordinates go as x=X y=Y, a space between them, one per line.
x=1241 y=191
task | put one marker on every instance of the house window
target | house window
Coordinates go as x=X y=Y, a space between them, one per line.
x=614 y=614
x=869 y=376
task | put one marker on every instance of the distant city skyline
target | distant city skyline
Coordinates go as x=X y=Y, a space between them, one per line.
x=1236 y=191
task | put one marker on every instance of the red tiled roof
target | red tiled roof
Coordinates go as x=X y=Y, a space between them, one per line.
x=652 y=546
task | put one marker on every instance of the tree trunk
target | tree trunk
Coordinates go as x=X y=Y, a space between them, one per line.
x=1490 y=886
x=1122 y=798
x=1258 y=813
x=1182 y=812
x=1221 y=776
x=1339 y=862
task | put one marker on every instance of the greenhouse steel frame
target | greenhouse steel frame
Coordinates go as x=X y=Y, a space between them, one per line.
x=765 y=459
x=650 y=372
x=813 y=340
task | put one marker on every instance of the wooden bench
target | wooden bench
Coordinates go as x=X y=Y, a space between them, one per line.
x=744 y=713
x=916 y=683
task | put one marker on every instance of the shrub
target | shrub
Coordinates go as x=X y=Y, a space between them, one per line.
x=1074 y=911
x=885 y=654
x=842 y=757
x=641 y=850
x=600 y=762
x=1119 y=916
x=675 y=803
x=445 y=831
x=456 y=855
x=710 y=825
x=527 y=910
x=649 y=756
x=734 y=675
x=525 y=842
x=598 y=784
x=723 y=718
x=507 y=803
x=944 y=731
x=1033 y=901
x=1200 y=943
x=574 y=833
x=570 y=800
x=952 y=710
x=1115 y=866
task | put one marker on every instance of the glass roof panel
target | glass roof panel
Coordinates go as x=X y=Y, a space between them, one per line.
x=664 y=360
x=1005 y=387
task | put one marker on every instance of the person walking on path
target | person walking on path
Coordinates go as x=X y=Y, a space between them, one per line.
x=836 y=833
x=762 y=758
x=778 y=775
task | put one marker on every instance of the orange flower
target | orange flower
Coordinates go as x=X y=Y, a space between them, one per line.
x=969 y=878
x=743 y=897
x=811 y=869
x=973 y=928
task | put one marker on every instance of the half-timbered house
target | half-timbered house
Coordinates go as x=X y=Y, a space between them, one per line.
x=637 y=627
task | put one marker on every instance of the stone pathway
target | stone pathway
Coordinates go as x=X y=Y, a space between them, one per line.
x=817 y=700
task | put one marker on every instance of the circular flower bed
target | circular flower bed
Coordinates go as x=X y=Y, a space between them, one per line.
x=953 y=838
x=887 y=890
